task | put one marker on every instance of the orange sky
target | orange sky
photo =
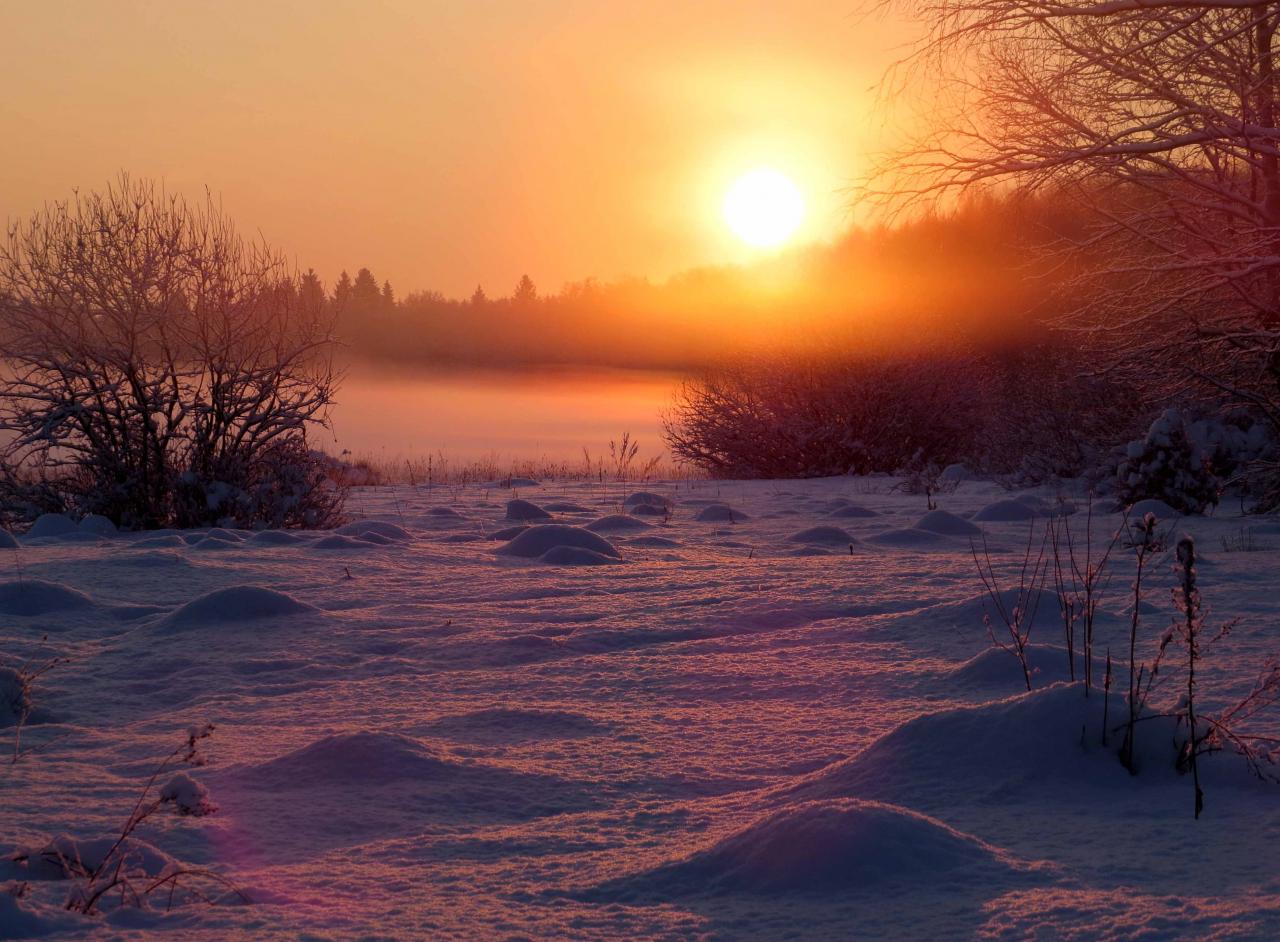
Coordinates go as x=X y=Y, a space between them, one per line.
x=449 y=143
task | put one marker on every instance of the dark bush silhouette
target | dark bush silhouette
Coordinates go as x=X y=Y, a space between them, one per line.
x=159 y=369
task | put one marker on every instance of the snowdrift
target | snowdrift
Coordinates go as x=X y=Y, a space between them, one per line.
x=820 y=847
x=947 y=524
x=536 y=541
x=234 y=605
x=30 y=597
x=822 y=536
x=618 y=523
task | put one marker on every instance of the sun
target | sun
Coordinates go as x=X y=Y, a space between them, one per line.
x=764 y=208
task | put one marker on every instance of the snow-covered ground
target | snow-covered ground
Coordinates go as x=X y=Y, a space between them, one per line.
x=773 y=714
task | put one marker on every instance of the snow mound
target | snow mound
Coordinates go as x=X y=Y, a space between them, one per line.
x=38 y=597
x=653 y=542
x=64 y=856
x=447 y=512
x=216 y=545
x=368 y=756
x=1005 y=511
x=1155 y=506
x=7 y=540
x=996 y=668
x=52 y=525
x=1013 y=746
x=97 y=524
x=160 y=542
x=967 y=614
x=910 y=538
x=947 y=524
x=822 y=536
x=647 y=498
x=852 y=511
x=236 y=604
x=146 y=558
x=275 y=538
x=575 y=556
x=618 y=523
x=535 y=541
x=394 y=782
x=378 y=528
x=337 y=541
x=525 y=510
x=720 y=513
x=824 y=847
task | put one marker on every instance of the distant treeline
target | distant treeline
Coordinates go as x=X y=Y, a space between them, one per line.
x=977 y=274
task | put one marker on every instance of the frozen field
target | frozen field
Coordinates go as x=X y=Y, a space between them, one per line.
x=734 y=732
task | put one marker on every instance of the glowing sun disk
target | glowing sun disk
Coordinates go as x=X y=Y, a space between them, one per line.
x=763 y=208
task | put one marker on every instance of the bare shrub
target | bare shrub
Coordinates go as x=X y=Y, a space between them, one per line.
x=1146 y=541
x=809 y=417
x=159 y=367
x=1017 y=614
x=1080 y=578
x=114 y=872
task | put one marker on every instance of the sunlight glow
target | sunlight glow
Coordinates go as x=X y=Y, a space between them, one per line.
x=763 y=208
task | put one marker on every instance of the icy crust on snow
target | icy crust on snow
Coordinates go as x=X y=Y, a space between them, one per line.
x=824 y=847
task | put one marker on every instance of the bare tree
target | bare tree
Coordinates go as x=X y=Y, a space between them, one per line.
x=1161 y=116
x=159 y=368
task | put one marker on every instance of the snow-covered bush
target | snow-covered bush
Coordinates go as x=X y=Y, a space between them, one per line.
x=155 y=361
x=1188 y=462
x=1168 y=464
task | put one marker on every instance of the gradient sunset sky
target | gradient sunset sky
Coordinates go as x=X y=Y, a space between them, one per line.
x=449 y=143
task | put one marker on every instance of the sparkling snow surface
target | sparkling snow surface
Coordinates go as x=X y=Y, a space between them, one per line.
x=776 y=717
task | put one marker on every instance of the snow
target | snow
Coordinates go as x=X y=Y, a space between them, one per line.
x=523 y=510
x=700 y=729
x=947 y=524
x=822 y=536
x=1007 y=510
x=31 y=597
x=52 y=525
x=720 y=513
x=236 y=604
x=617 y=523
x=538 y=540
x=824 y=847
